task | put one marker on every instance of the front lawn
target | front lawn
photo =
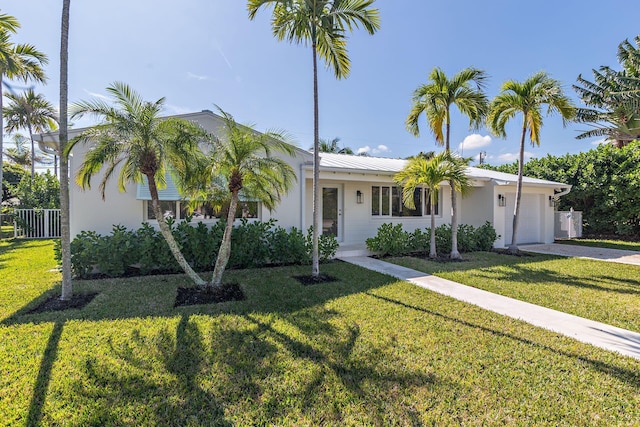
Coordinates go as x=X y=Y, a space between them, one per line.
x=597 y=243
x=364 y=350
x=602 y=291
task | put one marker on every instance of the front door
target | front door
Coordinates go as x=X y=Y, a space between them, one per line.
x=331 y=212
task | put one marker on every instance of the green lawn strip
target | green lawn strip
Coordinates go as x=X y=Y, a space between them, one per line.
x=365 y=350
x=6 y=231
x=25 y=272
x=609 y=244
x=601 y=291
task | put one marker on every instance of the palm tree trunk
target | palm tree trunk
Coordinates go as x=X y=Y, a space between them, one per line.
x=1 y=137
x=225 y=245
x=315 y=268
x=55 y=165
x=454 y=204
x=33 y=153
x=513 y=248
x=65 y=223
x=432 y=248
x=168 y=236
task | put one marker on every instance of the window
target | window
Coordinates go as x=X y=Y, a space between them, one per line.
x=399 y=209
x=387 y=201
x=427 y=201
x=245 y=209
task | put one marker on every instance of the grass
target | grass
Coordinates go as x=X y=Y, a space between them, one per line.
x=365 y=350
x=6 y=231
x=602 y=291
x=610 y=244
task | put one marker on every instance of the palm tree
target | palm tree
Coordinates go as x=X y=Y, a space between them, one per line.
x=17 y=61
x=465 y=90
x=32 y=112
x=135 y=139
x=614 y=98
x=243 y=162
x=327 y=146
x=20 y=154
x=65 y=229
x=527 y=98
x=430 y=172
x=323 y=24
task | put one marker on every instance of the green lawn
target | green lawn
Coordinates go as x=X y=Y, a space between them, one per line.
x=366 y=350
x=602 y=291
x=611 y=244
x=6 y=231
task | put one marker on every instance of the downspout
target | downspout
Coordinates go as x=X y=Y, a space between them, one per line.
x=303 y=186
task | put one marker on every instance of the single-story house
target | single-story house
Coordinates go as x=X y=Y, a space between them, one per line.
x=358 y=195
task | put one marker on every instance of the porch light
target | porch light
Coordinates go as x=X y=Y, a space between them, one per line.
x=502 y=201
x=552 y=202
x=359 y=197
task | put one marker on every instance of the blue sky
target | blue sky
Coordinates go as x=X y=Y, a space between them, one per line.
x=198 y=53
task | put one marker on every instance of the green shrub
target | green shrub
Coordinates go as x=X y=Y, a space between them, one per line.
x=253 y=244
x=394 y=241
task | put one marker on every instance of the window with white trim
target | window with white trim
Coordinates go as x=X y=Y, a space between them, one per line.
x=387 y=201
x=246 y=209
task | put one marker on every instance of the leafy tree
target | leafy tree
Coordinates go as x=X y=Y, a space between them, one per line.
x=65 y=229
x=17 y=61
x=613 y=98
x=135 y=139
x=323 y=24
x=242 y=161
x=465 y=90
x=29 y=111
x=41 y=192
x=327 y=146
x=527 y=98
x=430 y=172
x=13 y=174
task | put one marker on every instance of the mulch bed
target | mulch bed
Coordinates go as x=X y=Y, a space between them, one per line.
x=224 y=293
x=309 y=280
x=54 y=303
x=506 y=252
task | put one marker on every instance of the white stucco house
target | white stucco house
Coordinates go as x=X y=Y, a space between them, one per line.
x=358 y=195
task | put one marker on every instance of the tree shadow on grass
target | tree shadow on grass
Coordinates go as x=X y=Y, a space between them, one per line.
x=628 y=376
x=138 y=382
x=44 y=375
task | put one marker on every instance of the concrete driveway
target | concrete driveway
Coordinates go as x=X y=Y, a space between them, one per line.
x=602 y=254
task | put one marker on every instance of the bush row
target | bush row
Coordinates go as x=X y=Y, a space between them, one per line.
x=253 y=244
x=393 y=240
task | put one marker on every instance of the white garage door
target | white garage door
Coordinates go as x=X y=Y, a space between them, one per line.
x=530 y=224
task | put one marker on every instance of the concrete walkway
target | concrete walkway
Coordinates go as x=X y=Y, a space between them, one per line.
x=590 y=332
x=588 y=252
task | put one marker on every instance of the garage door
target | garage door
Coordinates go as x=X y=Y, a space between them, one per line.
x=530 y=224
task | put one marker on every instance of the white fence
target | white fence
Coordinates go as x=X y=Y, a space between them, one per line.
x=36 y=223
x=568 y=224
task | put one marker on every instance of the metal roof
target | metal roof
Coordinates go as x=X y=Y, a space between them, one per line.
x=363 y=164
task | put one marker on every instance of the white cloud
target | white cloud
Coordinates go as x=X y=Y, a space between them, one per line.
x=376 y=150
x=97 y=95
x=512 y=157
x=380 y=149
x=474 y=141
x=191 y=75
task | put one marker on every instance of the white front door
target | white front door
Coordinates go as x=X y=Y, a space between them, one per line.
x=332 y=211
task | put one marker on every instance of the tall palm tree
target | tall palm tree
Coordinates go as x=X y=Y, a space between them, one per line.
x=17 y=61
x=613 y=99
x=244 y=162
x=135 y=139
x=323 y=24
x=20 y=154
x=430 y=172
x=65 y=223
x=30 y=111
x=465 y=90
x=527 y=98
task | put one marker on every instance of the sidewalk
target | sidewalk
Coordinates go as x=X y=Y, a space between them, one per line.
x=588 y=252
x=588 y=331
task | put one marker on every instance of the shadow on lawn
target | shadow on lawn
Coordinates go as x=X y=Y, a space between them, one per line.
x=625 y=375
